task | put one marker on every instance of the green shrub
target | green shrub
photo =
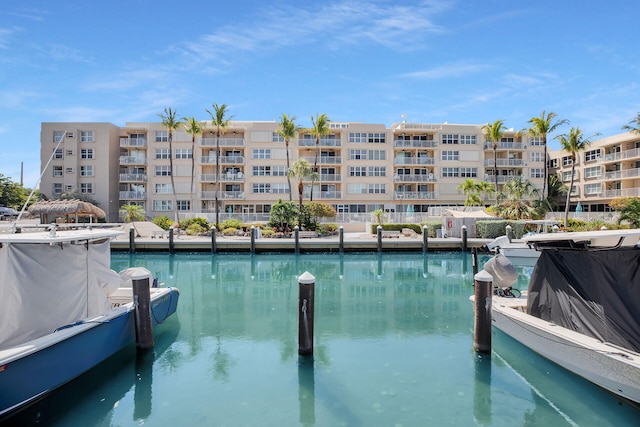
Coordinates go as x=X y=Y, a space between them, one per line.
x=232 y=223
x=230 y=231
x=496 y=228
x=187 y=222
x=163 y=222
x=196 y=229
x=268 y=232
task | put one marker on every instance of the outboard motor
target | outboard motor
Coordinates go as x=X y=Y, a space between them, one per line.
x=502 y=270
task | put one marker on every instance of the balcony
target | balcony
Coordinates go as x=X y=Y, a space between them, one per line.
x=323 y=160
x=133 y=195
x=414 y=178
x=222 y=142
x=506 y=162
x=321 y=194
x=135 y=142
x=324 y=142
x=623 y=155
x=224 y=160
x=503 y=145
x=501 y=178
x=330 y=177
x=425 y=160
x=238 y=195
x=133 y=177
x=414 y=195
x=133 y=160
x=403 y=143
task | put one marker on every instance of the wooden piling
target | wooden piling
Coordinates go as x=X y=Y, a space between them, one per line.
x=171 y=247
x=341 y=236
x=132 y=240
x=253 y=239
x=306 y=288
x=483 y=284
x=142 y=303
x=425 y=238
x=464 y=238
x=213 y=239
x=379 y=230
x=296 y=237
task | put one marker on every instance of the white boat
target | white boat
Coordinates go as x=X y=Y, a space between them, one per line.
x=63 y=310
x=518 y=252
x=582 y=308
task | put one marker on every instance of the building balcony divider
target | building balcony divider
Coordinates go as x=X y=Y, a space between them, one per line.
x=133 y=195
x=128 y=142
x=133 y=177
x=403 y=143
x=133 y=160
x=222 y=142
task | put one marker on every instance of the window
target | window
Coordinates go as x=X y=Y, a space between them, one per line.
x=536 y=157
x=86 y=153
x=566 y=161
x=377 y=155
x=449 y=138
x=377 y=188
x=593 y=172
x=536 y=173
x=358 y=154
x=553 y=163
x=183 y=205
x=591 y=155
x=507 y=139
x=468 y=172
x=68 y=170
x=593 y=188
x=468 y=139
x=357 y=137
x=183 y=153
x=450 y=172
x=536 y=141
x=163 y=171
x=279 y=188
x=357 y=188
x=377 y=171
x=278 y=171
x=86 y=187
x=262 y=188
x=162 y=136
x=566 y=176
x=162 y=205
x=57 y=170
x=57 y=135
x=162 y=153
x=57 y=188
x=357 y=171
x=163 y=188
x=69 y=152
x=58 y=154
x=86 y=136
x=261 y=154
x=450 y=155
x=376 y=138
x=276 y=137
x=86 y=170
x=262 y=171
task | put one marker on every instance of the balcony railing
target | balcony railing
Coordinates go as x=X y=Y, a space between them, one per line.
x=133 y=195
x=322 y=194
x=330 y=177
x=136 y=142
x=614 y=157
x=133 y=160
x=133 y=177
x=222 y=142
x=222 y=195
x=414 y=178
x=224 y=160
x=506 y=162
x=503 y=145
x=323 y=160
x=414 y=161
x=412 y=195
x=324 y=142
x=403 y=143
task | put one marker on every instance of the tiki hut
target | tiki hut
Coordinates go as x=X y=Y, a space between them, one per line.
x=65 y=211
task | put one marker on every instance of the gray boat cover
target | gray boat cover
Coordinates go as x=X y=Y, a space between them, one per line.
x=596 y=293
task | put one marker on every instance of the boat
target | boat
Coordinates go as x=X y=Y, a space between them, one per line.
x=582 y=307
x=519 y=251
x=63 y=310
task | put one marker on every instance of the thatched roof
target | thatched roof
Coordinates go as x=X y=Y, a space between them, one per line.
x=65 y=207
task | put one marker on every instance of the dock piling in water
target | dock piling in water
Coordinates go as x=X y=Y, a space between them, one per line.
x=213 y=239
x=425 y=238
x=171 y=248
x=132 y=239
x=306 y=288
x=464 y=238
x=142 y=303
x=482 y=291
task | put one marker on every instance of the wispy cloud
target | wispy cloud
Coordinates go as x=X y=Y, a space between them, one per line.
x=6 y=35
x=455 y=69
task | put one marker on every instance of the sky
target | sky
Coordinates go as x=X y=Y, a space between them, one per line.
x=435 y=61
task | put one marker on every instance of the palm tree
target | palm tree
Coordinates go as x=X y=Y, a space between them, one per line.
x=486 y=190
x=193 y=127
x=288 y=129
x=517 y=205
x=131 y=213
x=469 y=188
x=573 y=143
x=300 y=170
x=541 y=127
x=493 y=132
x=220 y=123
x=631 y=212
x=171 y=123
x=320 y=129
x=633 y=126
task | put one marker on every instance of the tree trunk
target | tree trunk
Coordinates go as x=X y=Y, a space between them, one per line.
x=173 y=184
x=566 y=205
x=288 y=177
x=495 y=168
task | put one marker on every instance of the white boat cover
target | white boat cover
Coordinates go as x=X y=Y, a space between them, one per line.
x=44 y=287
x=593 y=292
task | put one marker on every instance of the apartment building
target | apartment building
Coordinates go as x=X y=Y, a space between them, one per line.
x=608 y=168
x=407 y=167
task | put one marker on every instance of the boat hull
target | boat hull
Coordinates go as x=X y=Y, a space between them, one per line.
x=610 y=367
x=42 y=365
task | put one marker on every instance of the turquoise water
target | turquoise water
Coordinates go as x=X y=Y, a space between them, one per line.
x=393 y=347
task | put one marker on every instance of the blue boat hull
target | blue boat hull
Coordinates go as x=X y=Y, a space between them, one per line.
x=34 y=375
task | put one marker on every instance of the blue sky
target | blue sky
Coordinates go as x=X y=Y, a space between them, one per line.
x=356 y=60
